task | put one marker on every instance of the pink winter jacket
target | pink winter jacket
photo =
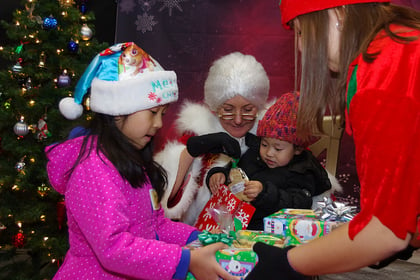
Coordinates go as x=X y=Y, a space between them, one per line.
x=114 y=233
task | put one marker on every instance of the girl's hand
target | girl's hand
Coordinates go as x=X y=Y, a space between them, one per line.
x=215 y=181
x=253 y=189
x=203 y=264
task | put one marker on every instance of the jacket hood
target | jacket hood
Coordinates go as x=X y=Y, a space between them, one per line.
x=61 y=158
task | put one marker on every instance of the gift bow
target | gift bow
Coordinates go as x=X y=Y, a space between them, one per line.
x=207 y=238
x=330 y=210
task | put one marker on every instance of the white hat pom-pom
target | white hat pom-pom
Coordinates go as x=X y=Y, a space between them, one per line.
x=70 y=109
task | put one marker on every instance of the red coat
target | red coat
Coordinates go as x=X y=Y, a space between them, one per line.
x=384 y=118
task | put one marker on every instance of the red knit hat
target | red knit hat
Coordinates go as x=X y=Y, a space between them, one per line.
x=290 y=9
x=280 y=120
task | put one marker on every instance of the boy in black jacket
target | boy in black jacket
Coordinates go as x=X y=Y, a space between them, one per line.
x=282 y=172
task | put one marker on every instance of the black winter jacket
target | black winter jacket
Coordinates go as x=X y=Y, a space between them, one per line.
x=291 y=186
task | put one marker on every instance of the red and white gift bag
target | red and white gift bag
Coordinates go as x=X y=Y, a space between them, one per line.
x=240 y=210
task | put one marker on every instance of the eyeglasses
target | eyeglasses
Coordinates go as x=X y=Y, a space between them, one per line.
x=231 y=116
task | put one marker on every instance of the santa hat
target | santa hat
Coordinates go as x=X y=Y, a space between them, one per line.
x=290 y=9
x=123 y=79
x=236 y=74
x=280 y=121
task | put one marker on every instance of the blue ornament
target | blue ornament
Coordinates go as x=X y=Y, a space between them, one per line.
x=83 y=8
x=72 y=46
x=49 y=23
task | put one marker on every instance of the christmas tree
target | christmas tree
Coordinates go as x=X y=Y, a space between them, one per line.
x=53 y=43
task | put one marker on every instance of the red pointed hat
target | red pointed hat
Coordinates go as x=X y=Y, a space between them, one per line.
x=290 y=9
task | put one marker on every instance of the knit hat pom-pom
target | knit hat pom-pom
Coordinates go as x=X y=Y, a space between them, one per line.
x=70 y=109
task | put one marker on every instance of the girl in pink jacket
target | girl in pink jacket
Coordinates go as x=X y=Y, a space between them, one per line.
x=111 y=184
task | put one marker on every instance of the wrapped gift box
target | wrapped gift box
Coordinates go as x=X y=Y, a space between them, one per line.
x=238 y=259
x=238 y=209
x=298 y=225
x=247 y=238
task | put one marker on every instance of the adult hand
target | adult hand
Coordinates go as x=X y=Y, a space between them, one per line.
x=213 y=143
x=203 y=264
x=273 y=264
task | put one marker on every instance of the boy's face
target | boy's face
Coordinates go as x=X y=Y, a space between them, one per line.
x=275 y=152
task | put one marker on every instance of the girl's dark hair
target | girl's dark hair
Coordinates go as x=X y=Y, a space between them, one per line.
x=136 y=166
x=323 y=91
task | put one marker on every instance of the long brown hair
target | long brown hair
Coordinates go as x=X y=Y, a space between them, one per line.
x=322 y=90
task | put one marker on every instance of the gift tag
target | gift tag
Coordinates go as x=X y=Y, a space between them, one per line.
x=237 y=178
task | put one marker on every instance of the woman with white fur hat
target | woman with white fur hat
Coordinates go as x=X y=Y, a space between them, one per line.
x=235 y=94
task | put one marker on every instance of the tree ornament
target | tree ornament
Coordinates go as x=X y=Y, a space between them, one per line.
x=30 y=11
x=2 y=227
x=49 y=23
x=83 y=6
x=64 y=79
x=19 y=48
x=19 y=240
x=72 y=46
x=20 y=165
x=86 y=32
x=43 y=190
x=21 y=128
x=42 y=128
x=66 y=3
x=7 y=104
x=17 y=68
x=42 y=59
x=28 y=84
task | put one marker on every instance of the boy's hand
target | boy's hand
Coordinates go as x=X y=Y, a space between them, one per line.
x=253 y=189
x=215 y=181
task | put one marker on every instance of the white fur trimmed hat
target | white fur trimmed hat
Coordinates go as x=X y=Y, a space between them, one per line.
x=236 y=74
x=123 y=79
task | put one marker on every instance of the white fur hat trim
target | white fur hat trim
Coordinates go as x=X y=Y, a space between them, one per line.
x=70 y=109
x=128 y=96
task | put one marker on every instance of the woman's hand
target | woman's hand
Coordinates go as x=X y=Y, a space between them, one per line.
x=203 y=264
x=215 y=181
x=253 y=189
x=213 y=143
